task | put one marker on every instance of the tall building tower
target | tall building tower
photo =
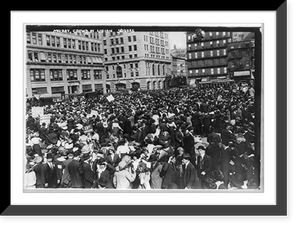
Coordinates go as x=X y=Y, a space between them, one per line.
x=63 y=63
x=136 y=60
x=207 y=57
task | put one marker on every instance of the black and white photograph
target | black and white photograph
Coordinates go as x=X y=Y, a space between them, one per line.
x=148 y=113
x=143 y=108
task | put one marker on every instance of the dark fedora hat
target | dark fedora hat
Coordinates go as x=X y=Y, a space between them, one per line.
x=85 y=156
x=186 y=156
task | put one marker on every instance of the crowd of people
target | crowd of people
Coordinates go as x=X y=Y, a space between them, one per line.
x=178 y=138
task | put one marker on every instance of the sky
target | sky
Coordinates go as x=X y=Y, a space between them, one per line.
x=177 y=38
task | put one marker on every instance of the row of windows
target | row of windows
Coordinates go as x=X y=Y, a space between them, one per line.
x=204 y=54
x=207 y=63
x=211 y=35
x=205 y=45
x=57 y=74
x=154 y=49
x=119 y=40
x=156 y=41
x=212 y=71
x=156 y=56
x=61 y=42
x=51 y=57
x=159 y=34
x=121 y=57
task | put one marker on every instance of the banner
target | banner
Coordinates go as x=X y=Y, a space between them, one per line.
x=110 y=98
x=37 y=111
x=45 y=119
x=87 y=128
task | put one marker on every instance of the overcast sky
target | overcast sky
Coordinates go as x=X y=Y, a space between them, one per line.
x=177 y=38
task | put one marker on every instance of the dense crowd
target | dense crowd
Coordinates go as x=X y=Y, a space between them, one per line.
x=180 y=138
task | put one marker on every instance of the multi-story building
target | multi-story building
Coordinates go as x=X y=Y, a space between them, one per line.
x=179 y=72
x=136 y=60
x=63 y=63
x=207 y=57
x=241 y=56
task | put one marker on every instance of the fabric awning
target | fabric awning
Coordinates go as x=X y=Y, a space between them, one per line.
x=42 y=56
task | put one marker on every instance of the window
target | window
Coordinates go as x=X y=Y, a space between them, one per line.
x=59 y=58
x=65 y=42
x=190 y=55
x=97 y=74
x=85 y=74
x=73 y=44
x=219 y=70
x=203 y=71
x=135 y=47
x=202 y=45
x=28 y=38
x=105 y=51
x=121 y=40
x=129 y=48
x=134 y=38
x=69 y=43
x=211 y=44
x=36 y=56
x=104 y=42
x=112 y=50
x=196 y=55
x=40 y=39
x=58 y=42
x=129 y=39
x=212 y=71
x=117 y=41
x=37 y=74
x=34 y=39
x=54 y=58
x=30 y=56
x=112 y=41
x=86 y=46
x=217 y=33
x=117 y=50
x=48 y=40
x=122 y=49
x=135 y=55
x=40 y=90
x=224 y=51
x=218 y=43
x=197 y=71
x=53 y=41
x=225 y=70
x=56 y=75
x=224 y=33
x=189 y=47
x=202 y=54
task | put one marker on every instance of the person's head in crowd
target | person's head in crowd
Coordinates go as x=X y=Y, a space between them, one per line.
x=186 y=158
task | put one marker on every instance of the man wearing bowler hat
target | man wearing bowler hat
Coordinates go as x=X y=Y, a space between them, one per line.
x=189 y=172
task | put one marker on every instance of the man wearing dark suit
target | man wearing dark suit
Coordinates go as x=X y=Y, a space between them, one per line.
x=112 y=158
x=226 y=155
x=76 y=171
x=188 y=144
x=227 y=135
x=49 y=173
x=88 y=175
x=203 y=164
x=189 y=172
x=38 y=173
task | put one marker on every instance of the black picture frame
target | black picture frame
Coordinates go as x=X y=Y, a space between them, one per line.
x=279 y=209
